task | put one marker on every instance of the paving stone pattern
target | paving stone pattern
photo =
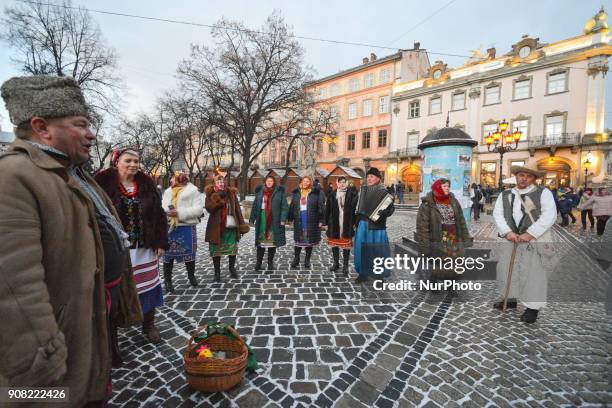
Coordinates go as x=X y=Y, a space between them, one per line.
x=324 y=341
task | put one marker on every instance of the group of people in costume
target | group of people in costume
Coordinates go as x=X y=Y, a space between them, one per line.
x=79 y=255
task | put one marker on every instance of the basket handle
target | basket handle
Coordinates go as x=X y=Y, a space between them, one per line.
x=204 y=328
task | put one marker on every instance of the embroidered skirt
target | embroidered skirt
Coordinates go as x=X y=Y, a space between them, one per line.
x=228 y=245
x=146 y=277
x=302 y=242
x=263 y=241
x=370 y=244
x=182 y=244
x=344 y=243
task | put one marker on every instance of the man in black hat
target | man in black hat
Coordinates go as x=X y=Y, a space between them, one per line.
x=371 y=240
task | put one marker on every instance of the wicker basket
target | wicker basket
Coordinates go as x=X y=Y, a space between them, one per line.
x=215 y=374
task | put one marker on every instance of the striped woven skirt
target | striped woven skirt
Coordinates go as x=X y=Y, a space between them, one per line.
x=146 y=277
x=344 y=243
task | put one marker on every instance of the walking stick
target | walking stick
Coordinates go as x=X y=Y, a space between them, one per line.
x=509 y=279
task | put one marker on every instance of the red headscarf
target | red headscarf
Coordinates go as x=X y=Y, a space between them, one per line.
x=267 y=199
x=438 y=193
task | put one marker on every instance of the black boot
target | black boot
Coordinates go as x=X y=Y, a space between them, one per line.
x=191 y=273
x=296 y=257
x=307 y=257
x=260 y=255
x=148 y=327
x=168 y=276
x=530 y=316
x=271 y=253
x=510 y=304
x=336 y=255
x=346 y=255
x=232 y=266
x=217 y=265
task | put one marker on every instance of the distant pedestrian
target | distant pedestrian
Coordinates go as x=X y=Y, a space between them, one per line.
x=602 y=208
x=475 y=197
x=400 y=192
x=586 y=210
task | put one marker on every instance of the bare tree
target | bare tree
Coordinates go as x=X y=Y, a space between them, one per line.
x=247 y=78
x=55 y=38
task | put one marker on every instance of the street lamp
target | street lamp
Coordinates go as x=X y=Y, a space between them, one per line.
x=501 y=142
x=587 y=165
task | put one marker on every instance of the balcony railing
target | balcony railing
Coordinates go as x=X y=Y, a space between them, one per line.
x=596 y=138
x=562 y=139
x=406 y=152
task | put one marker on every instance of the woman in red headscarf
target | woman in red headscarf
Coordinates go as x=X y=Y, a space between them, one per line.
x=441 y=228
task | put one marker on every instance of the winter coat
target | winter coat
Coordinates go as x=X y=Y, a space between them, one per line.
x=315 y=207
x=52 y=299
x=602 y=205
x=155 y=222
x=332 y=215
x=429 y=225
x=582 y=205
x=280 y=212
x=214 y=203
x=379 y=224
x=565 y=205
x=189 y=206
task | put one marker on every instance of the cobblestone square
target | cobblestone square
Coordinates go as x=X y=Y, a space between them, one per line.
x=322 y=340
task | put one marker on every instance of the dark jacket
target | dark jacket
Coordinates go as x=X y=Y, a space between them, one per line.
x=429 y=226
x=332 y=215
x=155 y=222
x=381 y=223
x=565 y=205
x=315 y=206
x=280 y=211
x=214 y=203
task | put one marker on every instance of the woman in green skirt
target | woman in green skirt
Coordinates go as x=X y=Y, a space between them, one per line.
x=269 y=214
x=225 y=224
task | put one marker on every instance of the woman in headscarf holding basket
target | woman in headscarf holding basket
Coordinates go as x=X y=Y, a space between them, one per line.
x=371 y=240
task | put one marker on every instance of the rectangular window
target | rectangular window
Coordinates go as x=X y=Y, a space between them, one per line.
x=385 y=75
x=335 y=90
x=365 y=140
x=333 y=112
x=350 y=142
x=319 y=146
x=382 y=138
x=322 y=93
x=352 y=110
x=554 y=128
x=488 y=174
x=354 y=85
x=368 y=80
x=332 y=148
x=415 y=109
x=383 y=104
x=435 y=106
x=557 y=82
x=491 y=95
x=367 y=107
x=413 y=141
x=486 y=129
x=522 y=89
x=523 y=127
x=459 y=101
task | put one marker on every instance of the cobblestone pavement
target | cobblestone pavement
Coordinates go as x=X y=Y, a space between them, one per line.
x=322 y=340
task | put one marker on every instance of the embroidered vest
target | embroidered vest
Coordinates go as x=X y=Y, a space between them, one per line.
x=508 y=198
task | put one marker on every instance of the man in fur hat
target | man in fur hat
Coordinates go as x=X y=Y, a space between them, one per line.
x=524 y=217
x=61 y=242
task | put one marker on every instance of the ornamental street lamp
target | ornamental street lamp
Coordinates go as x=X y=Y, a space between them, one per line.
x=501 y=142
x=587 y=166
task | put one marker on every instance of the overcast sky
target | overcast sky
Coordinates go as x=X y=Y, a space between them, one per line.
x=149 y=51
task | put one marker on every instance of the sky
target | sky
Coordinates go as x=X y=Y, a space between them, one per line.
x=149 y=51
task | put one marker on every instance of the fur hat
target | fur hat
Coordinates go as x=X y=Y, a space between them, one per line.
x=374 y=171
x=529 y=167
x=45 y=96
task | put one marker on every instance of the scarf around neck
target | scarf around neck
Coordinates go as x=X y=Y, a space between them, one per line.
x=267 y=198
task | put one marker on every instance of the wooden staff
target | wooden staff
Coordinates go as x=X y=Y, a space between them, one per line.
x=509 y=278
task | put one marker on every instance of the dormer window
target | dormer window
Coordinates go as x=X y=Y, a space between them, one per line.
x=437 y=74
x=524 y=51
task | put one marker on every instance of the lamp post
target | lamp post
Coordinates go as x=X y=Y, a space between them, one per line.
x=587 y=165
x=501 y=141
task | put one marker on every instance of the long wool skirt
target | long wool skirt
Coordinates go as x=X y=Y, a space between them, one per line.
x=370 y=244
x=182 y=244
x=264 y=242
x=228 y=245
x=146 y=276
x=302 y=241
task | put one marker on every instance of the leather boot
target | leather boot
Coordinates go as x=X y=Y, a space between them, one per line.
x=260 y=256
x=217 y=265
x=296 y=257
x=271 y=253
x=191 y=273
x=168 y=276
x=232 y=266
x=346 y=255
x=117 y=361
x=149 y=329
x=307 y=257
x=336 y=255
